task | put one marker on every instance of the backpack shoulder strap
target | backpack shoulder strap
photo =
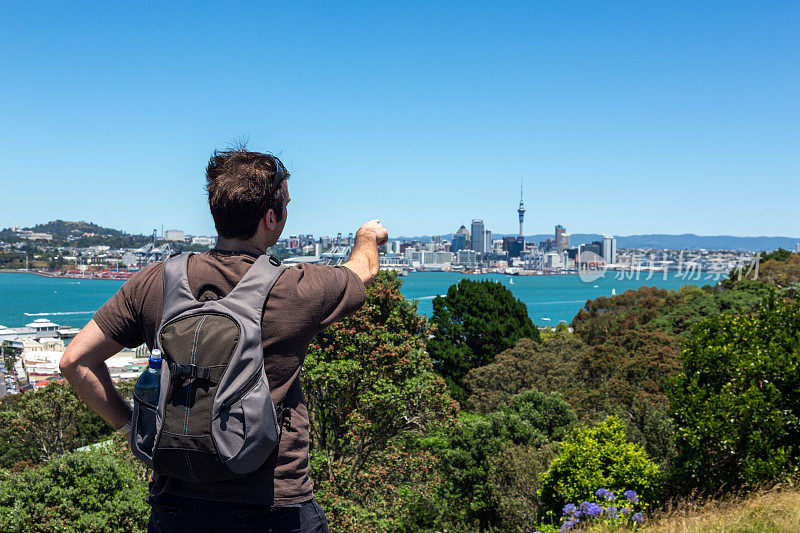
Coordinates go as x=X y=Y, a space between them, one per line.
x=253 y=289
x=177 y=294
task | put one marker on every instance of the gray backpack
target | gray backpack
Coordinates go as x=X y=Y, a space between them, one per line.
x=215 y=419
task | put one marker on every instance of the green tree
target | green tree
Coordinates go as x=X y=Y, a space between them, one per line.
x=473 y=460
x=370 y=387
x=471 y=324
x=80 y=491
x=736 y=404
x=593 y=458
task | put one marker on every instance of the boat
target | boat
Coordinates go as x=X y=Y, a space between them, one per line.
x=613 y=292
x=511 y=281
x=545 y=318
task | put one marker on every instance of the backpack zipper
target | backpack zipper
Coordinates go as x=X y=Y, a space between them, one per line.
x=250 y=385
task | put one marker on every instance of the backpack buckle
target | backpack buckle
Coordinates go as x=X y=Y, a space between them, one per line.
x=189 y=371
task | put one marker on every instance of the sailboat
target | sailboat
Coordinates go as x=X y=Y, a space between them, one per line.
x=613 y=292
x=511 y=281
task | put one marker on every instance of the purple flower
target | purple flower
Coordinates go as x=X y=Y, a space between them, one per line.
x=570 y=509
x=566 y=526
x=631 y=496
x=591 y=509
x=638 y=518
x=612 y=511
x=606 y=494
x=625 y=511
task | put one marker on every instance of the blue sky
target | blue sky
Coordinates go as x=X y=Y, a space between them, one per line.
x=624 y=118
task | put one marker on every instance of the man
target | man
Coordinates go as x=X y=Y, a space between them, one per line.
x=248 y=195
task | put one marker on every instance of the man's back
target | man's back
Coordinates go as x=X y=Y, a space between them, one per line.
x=305 y=300
x=248 y=197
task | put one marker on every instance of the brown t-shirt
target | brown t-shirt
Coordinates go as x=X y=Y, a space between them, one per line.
x=305 y=300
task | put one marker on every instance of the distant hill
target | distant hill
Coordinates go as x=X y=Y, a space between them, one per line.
x=686 y=241
x=74 y=234
x=61 y=229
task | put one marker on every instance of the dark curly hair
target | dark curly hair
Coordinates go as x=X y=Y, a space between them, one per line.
x=237 y=182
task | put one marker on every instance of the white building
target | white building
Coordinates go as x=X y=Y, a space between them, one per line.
x=175 y=235
x=204 y=240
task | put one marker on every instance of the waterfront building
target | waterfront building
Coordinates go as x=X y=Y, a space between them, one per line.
x=609 y=249
x=478 y=237
x=203 y=240
x=466 y=257
x=553 y=260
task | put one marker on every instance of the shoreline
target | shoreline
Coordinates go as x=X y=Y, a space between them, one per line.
x=69 y=275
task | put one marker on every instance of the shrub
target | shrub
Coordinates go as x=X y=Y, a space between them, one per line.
x=371 y=392
x=514 y=485
x=597 y=456
x=79 y=491
x=475 y=452
x=36 y=426
x=736 y=405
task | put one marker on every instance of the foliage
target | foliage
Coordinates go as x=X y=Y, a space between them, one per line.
x=671 y=312
x=474 y=461
x=514 y=485
x=736 y=404
x=396 y=491
x=79 y=491
x=649 y=425
x=597 y=456
x=471 y=324
x=545 y=366
x=36 y=426
x=371 y=389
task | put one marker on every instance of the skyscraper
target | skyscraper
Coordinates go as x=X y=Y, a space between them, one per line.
x=562 y=238
x=609 y=249
x=478 y=237
x=521 y=211
x=460 y=240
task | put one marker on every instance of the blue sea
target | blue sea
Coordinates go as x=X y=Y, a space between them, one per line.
x=71 y=302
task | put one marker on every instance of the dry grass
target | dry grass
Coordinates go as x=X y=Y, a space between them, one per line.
x=773 y=511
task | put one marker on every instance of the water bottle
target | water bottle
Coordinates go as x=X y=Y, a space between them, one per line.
x=147 y=386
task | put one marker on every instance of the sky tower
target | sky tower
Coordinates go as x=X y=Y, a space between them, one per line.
x=521 y=210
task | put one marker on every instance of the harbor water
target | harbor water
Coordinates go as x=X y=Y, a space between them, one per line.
x=71 y=302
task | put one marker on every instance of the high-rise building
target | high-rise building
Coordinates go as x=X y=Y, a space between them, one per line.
x=459 y=243
x=609 y=249
x=561 y=244
x=465 y=232
x=478 y=237
x=460 y=240
x=520 y=211
x=513 y=245
x=487 y=241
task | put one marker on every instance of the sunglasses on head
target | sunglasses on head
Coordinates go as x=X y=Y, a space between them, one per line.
x=279 y=177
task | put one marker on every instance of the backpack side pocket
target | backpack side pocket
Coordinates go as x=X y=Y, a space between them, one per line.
x=144 y=430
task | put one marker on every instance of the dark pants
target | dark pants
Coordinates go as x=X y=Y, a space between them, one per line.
x=172 y=514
